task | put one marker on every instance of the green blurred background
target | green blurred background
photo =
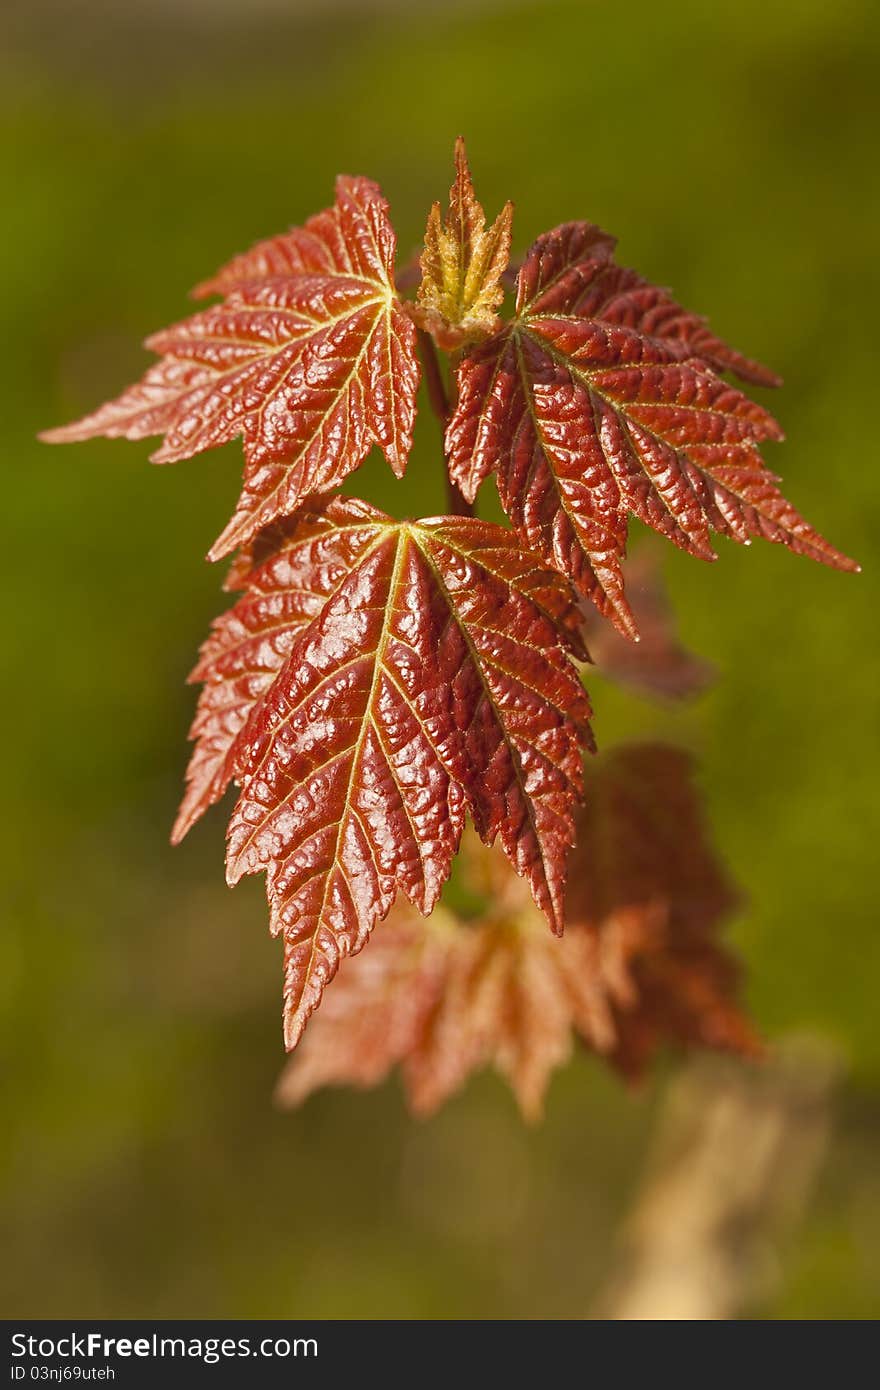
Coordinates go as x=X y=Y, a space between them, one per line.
x=733 y=150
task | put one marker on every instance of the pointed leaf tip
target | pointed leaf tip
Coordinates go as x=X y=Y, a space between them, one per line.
x=462 y=264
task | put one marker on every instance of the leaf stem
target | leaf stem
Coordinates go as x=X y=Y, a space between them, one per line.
x=439 y=398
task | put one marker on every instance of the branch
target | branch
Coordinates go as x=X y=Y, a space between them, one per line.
x=733 y=1167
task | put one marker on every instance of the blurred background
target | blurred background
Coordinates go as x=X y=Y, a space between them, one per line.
x=732 y=148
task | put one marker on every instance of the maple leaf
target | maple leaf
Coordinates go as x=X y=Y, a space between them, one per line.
x=638 y=963
x=601 y=398
x=678 y=990
x=514 y=998
x=311 y=358
x=376 y=681
x=462 y=264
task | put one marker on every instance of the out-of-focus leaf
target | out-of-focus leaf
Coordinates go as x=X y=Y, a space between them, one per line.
x=658 y=664
x=638 y=964
x=646 y=882
x=446 y=997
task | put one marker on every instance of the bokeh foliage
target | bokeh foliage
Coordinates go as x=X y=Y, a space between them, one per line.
x=731 y=148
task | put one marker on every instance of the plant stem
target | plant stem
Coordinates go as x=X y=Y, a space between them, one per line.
x=437 y=395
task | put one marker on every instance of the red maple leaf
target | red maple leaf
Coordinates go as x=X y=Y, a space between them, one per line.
x=311 y=358
x=377 y=681
x=601 y=398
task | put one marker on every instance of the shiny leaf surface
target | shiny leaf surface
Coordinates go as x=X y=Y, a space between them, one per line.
x=399 y=676
x=311 y=359
x=601 y=399
x=289 y=571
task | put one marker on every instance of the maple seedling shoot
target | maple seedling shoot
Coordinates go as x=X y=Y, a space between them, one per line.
x=379 y=684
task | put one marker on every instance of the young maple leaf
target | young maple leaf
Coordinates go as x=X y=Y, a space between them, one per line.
x=680 y=989
x=638 y=963
x=444 y=998
x=311 y=358
x=462 y=265
x=377 y=681
x=601 y=398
